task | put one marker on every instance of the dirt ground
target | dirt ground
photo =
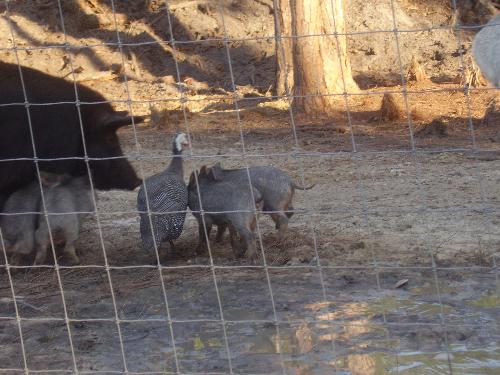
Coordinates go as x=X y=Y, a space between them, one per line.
x=390 y=263
x=377 y=54
x=374 y=218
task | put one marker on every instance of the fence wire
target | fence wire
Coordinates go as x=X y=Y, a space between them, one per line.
x=335 y=322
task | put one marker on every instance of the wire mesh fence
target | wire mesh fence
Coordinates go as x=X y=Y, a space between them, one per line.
x=389 y=264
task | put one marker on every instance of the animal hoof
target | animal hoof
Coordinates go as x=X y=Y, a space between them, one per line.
x=39 y=259
x=16 y=260
x=72 y=260
x=239 y=254
x=252 y=258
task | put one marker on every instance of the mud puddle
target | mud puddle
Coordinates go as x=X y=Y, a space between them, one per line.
x=353 y=325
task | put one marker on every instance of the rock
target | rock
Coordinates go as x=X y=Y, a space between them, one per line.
x=443 y=357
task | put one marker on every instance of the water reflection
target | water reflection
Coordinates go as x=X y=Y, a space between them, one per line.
x=368 y=332
x=349 y=340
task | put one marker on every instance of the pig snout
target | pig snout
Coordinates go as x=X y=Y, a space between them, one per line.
x=114 y=174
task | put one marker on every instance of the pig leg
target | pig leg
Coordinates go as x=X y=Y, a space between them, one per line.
x=253 y=223
x=70 y=236
x=41 y=253
x=202 y=244
x=283 y=227
x=235 y=245
x=220 y=232
x=42 y=240
x=70 y=253
x=16 y=259
x=281 y=221
x=281 y=214
x=20 y=249
x=287 y=206
x=280 y=217
x=248 y=239
x=276 y=220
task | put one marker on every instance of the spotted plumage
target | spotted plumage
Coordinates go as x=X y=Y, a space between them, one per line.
x=168 y=197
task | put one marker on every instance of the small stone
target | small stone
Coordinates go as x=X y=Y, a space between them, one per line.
x=295 y=261
x=443 y=357
x=357 y=245
x=401 y=283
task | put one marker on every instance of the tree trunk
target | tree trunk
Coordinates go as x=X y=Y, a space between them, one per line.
x=319 y=64
x=284 y=44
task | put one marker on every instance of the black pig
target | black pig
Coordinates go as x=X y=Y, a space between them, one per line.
x=57 y=132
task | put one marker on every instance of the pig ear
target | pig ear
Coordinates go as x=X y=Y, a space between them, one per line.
x=203 y=170
x=216 y=171
x=192 y=179
x=44 y=178
x=214 y=174
x=49 y=179
x=117 y=119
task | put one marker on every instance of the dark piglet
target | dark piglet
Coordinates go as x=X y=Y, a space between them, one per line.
x=57 y=131
x=276 y=187
x=225 y=204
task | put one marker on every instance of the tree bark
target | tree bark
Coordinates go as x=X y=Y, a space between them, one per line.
x=284 y=45
x=319 y=63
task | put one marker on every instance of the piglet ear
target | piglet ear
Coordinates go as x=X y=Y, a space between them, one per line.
x=192 y=179
x=50 y=180
x=117 y=119
x=216 y=172
x=203 y=171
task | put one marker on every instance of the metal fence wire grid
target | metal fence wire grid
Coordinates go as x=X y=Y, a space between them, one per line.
x=388 y=261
